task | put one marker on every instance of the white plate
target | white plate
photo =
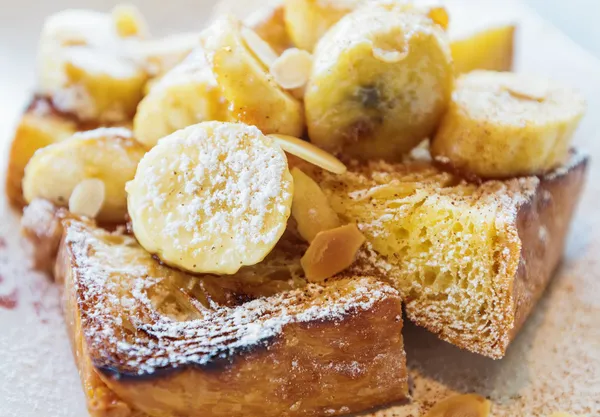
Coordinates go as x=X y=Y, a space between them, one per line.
x=553 y=365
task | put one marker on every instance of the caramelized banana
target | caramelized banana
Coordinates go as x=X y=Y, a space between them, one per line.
x=268 y=22
x=308 y=20
x=491 y=49
x=109 y=155
x=380 y=82
x=186 y=95
x=503 y=124
x=240 y=61
x=81 y=70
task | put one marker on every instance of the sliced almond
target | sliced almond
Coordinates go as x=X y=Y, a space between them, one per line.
x=310 y=153
x=261 y=49
x=292 y=69
x=467 y=405
x=87 y=198
x=129 y=21
x=331 y=252
x=536 y=91
x=390 y=47
x=310 y=207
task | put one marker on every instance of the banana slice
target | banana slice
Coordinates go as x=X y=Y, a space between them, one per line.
x=471 y=405
x=240 y=66
x=381 y=80
x=83 y=65
x=310 y=207
x=129 y=21
x=504 y=125
x=99 y=86
x=211 y=198
x=310 y=153
x=79 y=27
x=308 y=20
x=109 y=155
x=268 y=22
x=65 y=29
x=186 y=95
x=158 y=56
x=491 y=49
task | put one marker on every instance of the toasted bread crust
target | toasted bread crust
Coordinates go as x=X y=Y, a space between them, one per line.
x=466 y=281
x=39 y=126
x=543 y=223
x=346 y=333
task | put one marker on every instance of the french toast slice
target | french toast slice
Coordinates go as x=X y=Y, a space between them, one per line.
x=40 y=126
x=470 y=260
x=151 y=339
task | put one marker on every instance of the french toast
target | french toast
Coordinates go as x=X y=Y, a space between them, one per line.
x=470 y=260
x=40 y=126
x=151 y=339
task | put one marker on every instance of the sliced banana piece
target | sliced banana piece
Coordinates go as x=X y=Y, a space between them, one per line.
x=491 y=49
x=83 y=64
x=240 y=66
x=65 y=29
x=502 y=124
x=107 y=154
x=471 y=405
x=159 y=55
x=186 y=95
x=211 y=198
x=99 y=86
x=310 y=153
x=381 y=80
x=310 y=207
x=268 y=22
x=129 y=21
x=308 y=20
x=79 y=27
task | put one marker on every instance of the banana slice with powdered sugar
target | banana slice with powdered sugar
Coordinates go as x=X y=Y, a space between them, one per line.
x=211 y=198
x=502 y=124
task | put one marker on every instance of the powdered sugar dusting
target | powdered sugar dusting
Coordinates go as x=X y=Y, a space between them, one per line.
x=219 y=187
x=103 y=132
x=122 y=276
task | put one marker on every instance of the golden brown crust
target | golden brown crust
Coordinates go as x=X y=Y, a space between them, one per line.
x=526 y=264
x=453 y=248
x=316 y=350
x=39 y=126
x=543 y=224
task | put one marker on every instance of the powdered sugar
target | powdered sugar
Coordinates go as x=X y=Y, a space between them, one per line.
x=102 y=132
x=219 y=332
x=215 y=187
